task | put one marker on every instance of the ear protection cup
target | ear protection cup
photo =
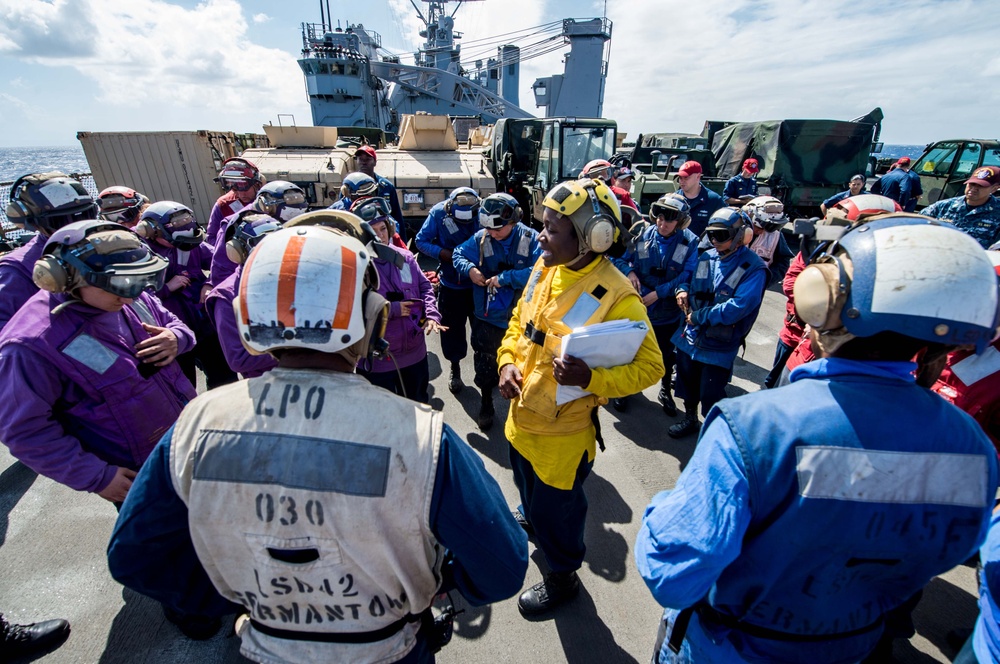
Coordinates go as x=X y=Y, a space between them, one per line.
x=375 y=310
x=51 y=274
x=820 y=293
x=147 y=230
x=599 y=232
x=237 y=251
x=746 y=234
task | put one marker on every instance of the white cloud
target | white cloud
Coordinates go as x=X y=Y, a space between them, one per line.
x=261 y=18
x=154 y=55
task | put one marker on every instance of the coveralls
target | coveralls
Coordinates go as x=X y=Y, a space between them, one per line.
x=443 y=231
x=984 y=643
x=813 y=510
x=226 y=206
x=662 y=264
x=510 y=261
x=401 y=280
x=83 y=406
x=791 y=332
x=314 y=536
x=552 y=448
x=725 y=295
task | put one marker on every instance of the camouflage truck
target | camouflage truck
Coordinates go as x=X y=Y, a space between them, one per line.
x=944 y=166
x=802 y=162
x=528 y=156
x=656 y=159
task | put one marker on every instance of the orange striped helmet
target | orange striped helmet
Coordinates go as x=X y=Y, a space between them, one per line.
x=303 y=287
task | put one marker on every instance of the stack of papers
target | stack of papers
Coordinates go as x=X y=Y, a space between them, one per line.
x=602 y=345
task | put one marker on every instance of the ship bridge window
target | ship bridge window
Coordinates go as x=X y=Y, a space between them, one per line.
x=938 y=161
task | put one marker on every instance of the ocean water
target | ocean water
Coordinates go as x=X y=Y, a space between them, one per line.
x=15 y=162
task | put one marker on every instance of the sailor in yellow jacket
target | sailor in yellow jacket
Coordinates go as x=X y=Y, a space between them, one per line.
x=552 y=447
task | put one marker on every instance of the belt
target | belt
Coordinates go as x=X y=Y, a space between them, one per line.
x=336 y=637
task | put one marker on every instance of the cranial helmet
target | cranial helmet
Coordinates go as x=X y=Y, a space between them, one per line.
x=173 y=222
x=672 y=206
x=463 y=204
x=281 y=200
x=309 y=287
x=44 y=202
x=599 y=169
x=246 y=231
x=901 y=273
x=102 y=254
x=499 y=210
x=121 y=204
x=240 y=175
x=735 y=222
x=593 y=210
x=766 y=212
x=357 y=185
x=374 y=209
x=848 y=212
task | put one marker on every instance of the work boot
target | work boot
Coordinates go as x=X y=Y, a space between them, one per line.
x=455 y=383
x=21 y=640
x=523 y=522
x=485 y=419
x=620 y=404
x=667 y=401
x=685 y=427
x=557 y=589
x=196 y=628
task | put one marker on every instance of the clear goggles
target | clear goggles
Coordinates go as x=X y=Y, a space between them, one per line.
x=127 y=285
x=115 y=202
x=494 y=214
x=180 y=222
x=372 y=209
x=601 y=173
x=291 y=198
x=465 y=200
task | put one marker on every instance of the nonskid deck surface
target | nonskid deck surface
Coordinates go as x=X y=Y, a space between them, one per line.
x=54 y=539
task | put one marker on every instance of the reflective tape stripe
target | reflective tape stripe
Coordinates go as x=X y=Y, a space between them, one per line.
x=734 y=279
x=524 y=246
x=702 y=272
x=643 y=250
x=90 y=352
x=406 y=274
x=680 y=252
x=530 y=290
x=976 y=367
x=449 y=223
x=581 y=311
x=487 y=247
x=140 y=309
x=873 y=476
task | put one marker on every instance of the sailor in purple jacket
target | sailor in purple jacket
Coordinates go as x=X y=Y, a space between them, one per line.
x=412 y=310
x=172 y=232
x=242 y=238
x=91 y=360
x=40 y=202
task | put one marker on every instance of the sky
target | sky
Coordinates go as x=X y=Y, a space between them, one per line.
x=144 y=65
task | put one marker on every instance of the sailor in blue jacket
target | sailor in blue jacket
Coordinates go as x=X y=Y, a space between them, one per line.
x=498 y=261
x=660 y=260
x=740 y=189
x=809 y=511
x=721 y=303
x=449 y=224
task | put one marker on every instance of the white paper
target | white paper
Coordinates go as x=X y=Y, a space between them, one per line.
x=602 y=345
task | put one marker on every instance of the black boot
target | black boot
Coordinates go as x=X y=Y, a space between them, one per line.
x=486 y=411
x=455 y=383
x=20 y=640
x=620 y=404
x=685 y=427
x=557 y=589
x=667 y=401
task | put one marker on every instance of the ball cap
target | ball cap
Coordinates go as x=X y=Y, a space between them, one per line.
x=903 y=161
x=986 y=176
x=368 y=150
x=690 y=168
x=625 y=172
x=751 y=165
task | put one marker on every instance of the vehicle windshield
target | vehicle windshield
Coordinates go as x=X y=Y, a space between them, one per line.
x=581 y=145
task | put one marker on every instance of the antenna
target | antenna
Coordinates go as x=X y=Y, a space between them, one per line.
x=329 y=16
x=322 y=20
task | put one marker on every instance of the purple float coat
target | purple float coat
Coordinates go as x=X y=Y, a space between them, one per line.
x=404 y=333
x=81 y=407
x=219 y=307
x=185 y=303
x=16 y=285
x=221 y=266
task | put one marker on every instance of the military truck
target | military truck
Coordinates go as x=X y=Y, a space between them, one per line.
x=802 y=162
x=528 y=156
x=944 y=166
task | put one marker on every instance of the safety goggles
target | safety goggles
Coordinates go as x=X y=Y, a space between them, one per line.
x=127 y=285
x=372 y=209
x=465 y=200
x=602 y=173
x=291 y=198
x=718 y=235
x=180 y=222
x=665 y=213
x=494 y=214
x=126 y=216
x=237 y=185
x=113 y=202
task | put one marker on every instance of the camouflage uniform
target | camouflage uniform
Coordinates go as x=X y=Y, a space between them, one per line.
x=981 y=222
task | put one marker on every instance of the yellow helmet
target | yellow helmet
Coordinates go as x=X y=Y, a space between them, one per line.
x=592 y=208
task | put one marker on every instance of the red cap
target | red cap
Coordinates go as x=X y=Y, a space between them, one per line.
x=751 y=165
x=986 y=176
x=368 y=150
x=903 y=161
x=690 y=168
